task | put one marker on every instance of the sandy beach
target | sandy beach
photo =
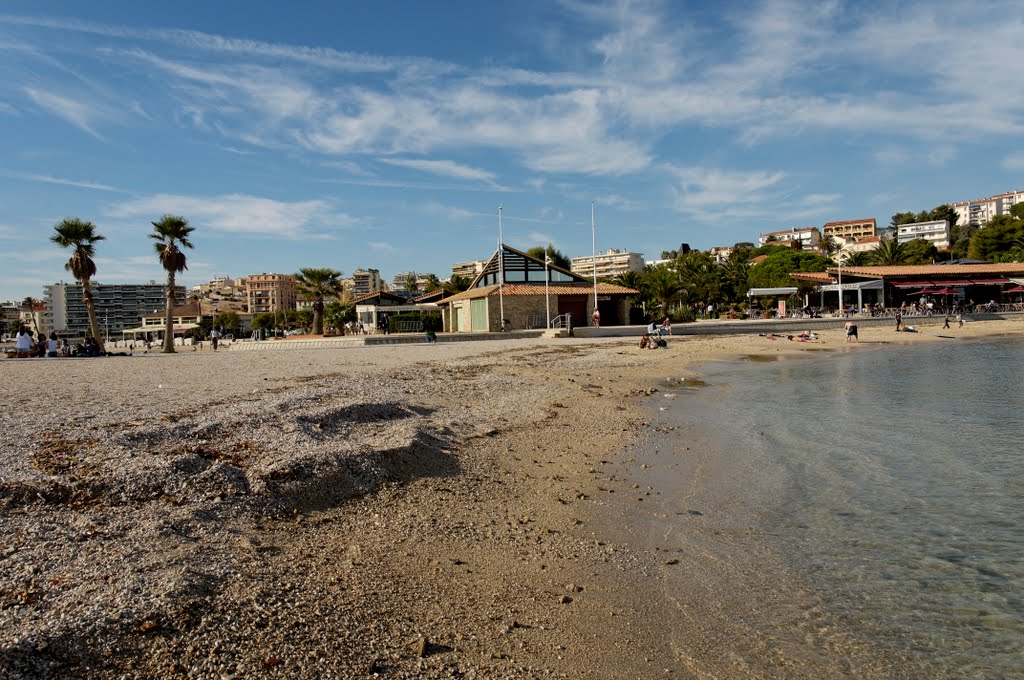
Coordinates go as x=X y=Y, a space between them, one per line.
x=455 y=510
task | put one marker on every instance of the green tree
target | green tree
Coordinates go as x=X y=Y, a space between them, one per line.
x=433 y=283
x=557 y=258
x=228 y=320
x=664 y=286
x=264 y=321
x=902 y=218
x=456 y=284
x=701 y=277
x=171 y=234
x=920 y=251
x=735 y=273
x=889 y=252
x=306 y=318
x=318 y=283
x=81 y=236
x=997 y=239
x=774 y=270
x=960 y=239
x=859 y=259
x=338 y=312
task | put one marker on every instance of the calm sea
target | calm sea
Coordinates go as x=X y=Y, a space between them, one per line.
x=901 y=501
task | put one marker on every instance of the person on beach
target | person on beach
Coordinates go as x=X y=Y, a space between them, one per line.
x=851 y=332
x=960 y=320
x=214 y=337
x=51 y=345
x=666 y=327
x=945 y=324
x=596 y=316
x=899 y=319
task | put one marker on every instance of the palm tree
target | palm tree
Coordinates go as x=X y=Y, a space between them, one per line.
x=81 y=236
x=664 y=286
x=859 y=259
x=171 y=234
x=317 y=284
x=456 y=284
x=890 y=252
x=411 y=281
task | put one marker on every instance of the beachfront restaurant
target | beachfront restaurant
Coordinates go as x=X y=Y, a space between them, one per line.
x=892 y=286
x=527 y=294
x=373 y=308
x=184 y=318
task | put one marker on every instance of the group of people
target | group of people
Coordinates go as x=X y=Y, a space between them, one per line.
x=655 y=335
x=27 y=346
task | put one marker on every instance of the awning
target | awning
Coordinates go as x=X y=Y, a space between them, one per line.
x=911 y=284
x=771 y=291
x=989 y=282
x=873 y=284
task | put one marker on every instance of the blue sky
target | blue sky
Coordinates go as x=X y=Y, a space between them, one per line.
x=386 y=134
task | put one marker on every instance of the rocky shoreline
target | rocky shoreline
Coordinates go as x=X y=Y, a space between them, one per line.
x=395 y=512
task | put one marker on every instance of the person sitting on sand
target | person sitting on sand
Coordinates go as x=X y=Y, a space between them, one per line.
x=666 y=326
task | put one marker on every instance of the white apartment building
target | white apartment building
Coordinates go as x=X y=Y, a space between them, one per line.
x=978 y=213
x=851 y=230
x=861 y=245
x=468 y=270
x=400 y=280
x=117 y=306
x=935 y=232
x=608 y=263
x=809 y=238
x=366 y=281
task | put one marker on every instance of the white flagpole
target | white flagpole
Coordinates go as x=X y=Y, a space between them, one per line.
x=501 y=275
x=593 y=250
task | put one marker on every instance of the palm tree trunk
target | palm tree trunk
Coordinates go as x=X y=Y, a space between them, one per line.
x=169 y=316
x=90 y=307
x=318 y=317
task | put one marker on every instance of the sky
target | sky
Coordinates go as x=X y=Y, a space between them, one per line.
x=386 y=134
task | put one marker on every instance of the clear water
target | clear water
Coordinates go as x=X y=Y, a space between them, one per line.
x=902 y=500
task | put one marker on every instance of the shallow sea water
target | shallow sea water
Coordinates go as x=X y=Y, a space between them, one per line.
x=901 y=500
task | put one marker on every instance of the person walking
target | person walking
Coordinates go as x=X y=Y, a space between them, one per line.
x=596 y=316
x=214 y=338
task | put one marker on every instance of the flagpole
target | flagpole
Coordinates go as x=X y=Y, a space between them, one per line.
x=501 y=275
x=593 y=250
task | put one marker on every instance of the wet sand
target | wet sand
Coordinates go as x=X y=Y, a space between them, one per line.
x=486 y=511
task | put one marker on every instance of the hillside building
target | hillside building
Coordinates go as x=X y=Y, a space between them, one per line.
x=851 y=230
x=978 y=213
x=608 y=264
x=366 y=281
x=935 y=232
x=807 y=239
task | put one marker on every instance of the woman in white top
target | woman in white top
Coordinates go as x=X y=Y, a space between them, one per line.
x=24 y=343
x=51 y=345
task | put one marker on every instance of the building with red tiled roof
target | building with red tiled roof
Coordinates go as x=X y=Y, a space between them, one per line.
x=850 y=230
x=525 y=292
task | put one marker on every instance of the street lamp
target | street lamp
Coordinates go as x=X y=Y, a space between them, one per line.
x=547 y=291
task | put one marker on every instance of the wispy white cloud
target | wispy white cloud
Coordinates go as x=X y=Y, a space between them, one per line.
x=1014 y=161
x=238 y=213
x=700 y=191
x=380 y=247
x=447 y=168
x=60 y=180
x=8 y=109
x=73 y=111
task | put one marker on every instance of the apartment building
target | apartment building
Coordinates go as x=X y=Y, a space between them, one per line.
x=807 y=238
x=851 y=230
x=400 y=281
x=935 y=232
x=468 y=270
x=118 y=306
x=608 y=264
x=366 y=281
x=270 y=293
x=978 y=213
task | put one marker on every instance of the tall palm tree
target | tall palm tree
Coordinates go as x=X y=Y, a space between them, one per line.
x=317 y=284
x=890 y=252
x=664 y=286
x=859 y=259
x=81 y=235
x=171 y=234
x=456 y=284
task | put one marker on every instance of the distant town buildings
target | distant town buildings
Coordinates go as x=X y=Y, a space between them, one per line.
x=720 y=253
x=400 y=281
x=851 y=230
x=118 y=307
x=366 y=281
x=270 y=293
x=608 y=264
x=977 y=213
x=804 y=238
x=468 y=270
x=935 y=232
